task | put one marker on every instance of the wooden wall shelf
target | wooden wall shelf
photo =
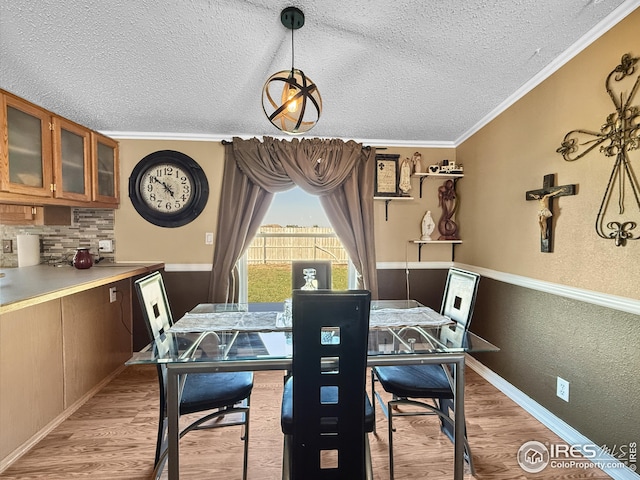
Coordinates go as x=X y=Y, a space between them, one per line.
x=386 y=204
x=422 y=176
x=420 y=243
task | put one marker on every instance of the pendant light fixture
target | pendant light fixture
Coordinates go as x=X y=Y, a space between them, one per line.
x=290 y=99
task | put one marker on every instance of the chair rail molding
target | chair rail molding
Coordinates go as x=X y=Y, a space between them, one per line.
x=187 y=267
x=615 y=302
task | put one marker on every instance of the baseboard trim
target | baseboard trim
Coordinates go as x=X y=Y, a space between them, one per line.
x=565 y=431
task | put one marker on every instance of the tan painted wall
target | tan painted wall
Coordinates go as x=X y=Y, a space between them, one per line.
x=541 y=335
x=138 y=240
x=511 y=155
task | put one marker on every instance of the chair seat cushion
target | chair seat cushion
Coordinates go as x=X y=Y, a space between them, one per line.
x=206 y=391
x=415 y=381
x=286 y=418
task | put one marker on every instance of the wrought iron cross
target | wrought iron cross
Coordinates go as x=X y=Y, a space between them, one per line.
x=619 y=135
x=545 y=196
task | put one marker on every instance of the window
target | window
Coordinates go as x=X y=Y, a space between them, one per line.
x=295 y=228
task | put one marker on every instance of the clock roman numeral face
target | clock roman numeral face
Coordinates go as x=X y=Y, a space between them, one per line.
x=166 y=188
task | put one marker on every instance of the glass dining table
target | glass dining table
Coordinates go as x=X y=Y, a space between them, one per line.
x=255 y=337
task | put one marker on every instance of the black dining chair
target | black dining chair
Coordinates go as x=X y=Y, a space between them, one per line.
x=221 y=398
x=322 y=268
x=426 y=389
x=326 y=413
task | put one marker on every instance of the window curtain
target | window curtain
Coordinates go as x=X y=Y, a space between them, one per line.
x=340 y=173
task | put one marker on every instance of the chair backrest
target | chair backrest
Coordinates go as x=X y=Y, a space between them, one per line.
x=328 y=403
x=155 y=304
x=323 y=273
x=157 y=316
x=458 y=302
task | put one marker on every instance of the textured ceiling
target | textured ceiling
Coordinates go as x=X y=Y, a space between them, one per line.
x=405 y=72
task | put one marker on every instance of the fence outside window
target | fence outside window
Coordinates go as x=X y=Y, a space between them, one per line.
x=281 y=245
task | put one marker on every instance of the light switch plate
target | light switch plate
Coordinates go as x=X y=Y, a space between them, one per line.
x=7 y=246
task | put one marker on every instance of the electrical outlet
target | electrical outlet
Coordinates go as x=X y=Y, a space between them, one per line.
x=7 y=246
x=112 y=294
x=208 y=238
x=562 y=389
x=105 y=246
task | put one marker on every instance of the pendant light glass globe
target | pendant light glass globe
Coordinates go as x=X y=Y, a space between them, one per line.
x=291 y=101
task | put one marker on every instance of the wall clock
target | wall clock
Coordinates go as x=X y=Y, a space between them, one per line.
x=168 y=188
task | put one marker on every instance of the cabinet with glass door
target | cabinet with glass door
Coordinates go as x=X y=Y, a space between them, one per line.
x=45 y=155
x=71 y=160
x=104 y=181
x=25 y=146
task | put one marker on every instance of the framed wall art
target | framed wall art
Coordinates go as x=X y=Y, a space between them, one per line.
x=386 y=176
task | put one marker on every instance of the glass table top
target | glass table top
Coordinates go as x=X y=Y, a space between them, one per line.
x=226 y=342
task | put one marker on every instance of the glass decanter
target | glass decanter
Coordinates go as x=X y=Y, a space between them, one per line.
x=310 y=279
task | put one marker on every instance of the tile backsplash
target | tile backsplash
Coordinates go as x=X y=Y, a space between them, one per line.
x=59 y=243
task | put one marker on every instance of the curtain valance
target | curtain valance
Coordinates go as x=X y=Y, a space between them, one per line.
x=318 y=166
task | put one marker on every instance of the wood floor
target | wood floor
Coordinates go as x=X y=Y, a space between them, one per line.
x=113 y=437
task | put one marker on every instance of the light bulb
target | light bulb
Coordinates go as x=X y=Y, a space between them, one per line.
x=288 y=94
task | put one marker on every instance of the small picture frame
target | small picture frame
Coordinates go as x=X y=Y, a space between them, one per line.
x=387 y=173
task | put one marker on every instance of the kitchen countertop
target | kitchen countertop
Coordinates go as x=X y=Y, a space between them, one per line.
x=25 y=286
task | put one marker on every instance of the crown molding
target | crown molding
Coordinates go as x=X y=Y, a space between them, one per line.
x=587 y=39
x=205 y=137
x=190 y=137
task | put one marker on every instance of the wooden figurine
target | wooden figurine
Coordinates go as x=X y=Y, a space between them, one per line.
x=447 y=200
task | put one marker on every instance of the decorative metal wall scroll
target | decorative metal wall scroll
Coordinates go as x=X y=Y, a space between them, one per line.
x=619 y=135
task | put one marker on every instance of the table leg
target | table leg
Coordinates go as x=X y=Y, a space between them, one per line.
x=458 y=468
x=173 y=433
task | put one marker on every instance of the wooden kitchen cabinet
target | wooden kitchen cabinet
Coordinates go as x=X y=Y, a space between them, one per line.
x=31 y=373
x=27 y=215
x=97 y=337
x=17 y=215
x=52 y=160
x=25 y=147
x=71 y=160
x=105 y=184
x=54 y=355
